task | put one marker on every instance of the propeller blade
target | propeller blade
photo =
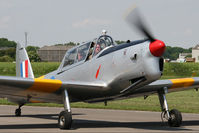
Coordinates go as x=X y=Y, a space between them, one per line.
x=133 y=18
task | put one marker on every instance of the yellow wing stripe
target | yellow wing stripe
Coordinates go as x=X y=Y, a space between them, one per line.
x=45 y=85
x=181 y=83
x=41 y=77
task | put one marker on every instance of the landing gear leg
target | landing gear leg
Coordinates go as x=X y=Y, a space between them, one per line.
x=18 y=110
x=65 y=117
x=174 y=116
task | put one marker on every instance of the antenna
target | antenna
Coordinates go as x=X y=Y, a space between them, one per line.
x=26 y=41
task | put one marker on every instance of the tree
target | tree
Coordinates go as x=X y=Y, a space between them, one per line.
x=32 y=53
x=32 y=48
x=33 y=56
x=7 y=50
x=6 y=58
x=2 y=52
x=4 y=42
x=11 y=52
x=188 y=56
x=173 y=52
x=71 y=44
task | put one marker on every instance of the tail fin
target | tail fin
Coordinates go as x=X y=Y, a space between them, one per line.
x=23 y=66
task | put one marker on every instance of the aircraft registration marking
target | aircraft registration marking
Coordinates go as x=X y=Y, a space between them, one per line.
x=180 y=83
x=45 y=85
x=97 y=73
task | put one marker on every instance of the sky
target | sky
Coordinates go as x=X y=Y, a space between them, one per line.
x=49 y=22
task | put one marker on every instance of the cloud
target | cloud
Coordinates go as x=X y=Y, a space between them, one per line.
x=4 y=21
x=90 y=22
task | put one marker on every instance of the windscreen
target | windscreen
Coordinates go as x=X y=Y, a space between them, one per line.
x=83 y=51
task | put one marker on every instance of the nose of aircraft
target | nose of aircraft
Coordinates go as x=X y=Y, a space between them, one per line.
x=157 y=48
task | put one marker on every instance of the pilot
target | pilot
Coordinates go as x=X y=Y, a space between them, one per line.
x=79 y=57
x=97 y=49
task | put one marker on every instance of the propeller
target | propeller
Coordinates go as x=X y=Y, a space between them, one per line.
x=133 y=18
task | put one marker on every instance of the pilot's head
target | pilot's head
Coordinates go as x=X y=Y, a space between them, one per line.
x=97 y=49
x=79 y=56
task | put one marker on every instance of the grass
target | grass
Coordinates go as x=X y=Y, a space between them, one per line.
x=39 y=68
x=185 y=101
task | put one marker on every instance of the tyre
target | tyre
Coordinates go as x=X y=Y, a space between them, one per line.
x=65 y=120
x=18 y=112
x=176 y=118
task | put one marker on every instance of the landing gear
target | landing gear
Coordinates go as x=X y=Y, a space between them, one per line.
x=18 y=110
x=65 y=117
x=174 y=116
x=65 y=120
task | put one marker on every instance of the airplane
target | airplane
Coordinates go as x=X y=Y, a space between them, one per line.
x=98 y=71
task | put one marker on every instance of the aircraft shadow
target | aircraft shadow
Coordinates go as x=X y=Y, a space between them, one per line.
x=79 y=123
x=42 y=116
x=29 y=126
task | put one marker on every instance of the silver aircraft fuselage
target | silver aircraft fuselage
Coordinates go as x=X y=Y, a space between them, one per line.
x=118 y=67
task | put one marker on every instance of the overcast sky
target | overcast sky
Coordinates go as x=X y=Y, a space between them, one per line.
x=49 y=22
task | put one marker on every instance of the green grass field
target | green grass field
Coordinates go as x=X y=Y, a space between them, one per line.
x=185 y=101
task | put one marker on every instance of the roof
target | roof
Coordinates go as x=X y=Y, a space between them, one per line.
x=189 y=59
x=56 y=48
x=196 y=47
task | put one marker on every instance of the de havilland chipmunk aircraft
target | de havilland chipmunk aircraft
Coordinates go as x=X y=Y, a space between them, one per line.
x=98 y=71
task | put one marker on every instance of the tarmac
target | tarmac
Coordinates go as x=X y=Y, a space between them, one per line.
x=44 y=119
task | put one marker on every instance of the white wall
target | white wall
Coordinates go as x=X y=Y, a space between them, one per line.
x=195 y=54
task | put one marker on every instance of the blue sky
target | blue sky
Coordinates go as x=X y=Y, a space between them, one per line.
x=49 y=22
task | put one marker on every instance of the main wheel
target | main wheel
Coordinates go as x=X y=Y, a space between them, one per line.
x=18 y=112
x=176 y=118
x=65 y=120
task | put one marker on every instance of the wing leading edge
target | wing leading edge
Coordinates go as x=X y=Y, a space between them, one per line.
x=170 y=84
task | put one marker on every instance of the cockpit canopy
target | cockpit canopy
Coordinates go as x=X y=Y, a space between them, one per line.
x=88 y=50
x=76 y=54
x=105 y=41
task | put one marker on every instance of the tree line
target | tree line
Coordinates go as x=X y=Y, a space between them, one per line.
x=172 y=53
x=8 y=50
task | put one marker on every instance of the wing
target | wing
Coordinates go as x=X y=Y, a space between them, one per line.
x=19 y=90
x=171 y=84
